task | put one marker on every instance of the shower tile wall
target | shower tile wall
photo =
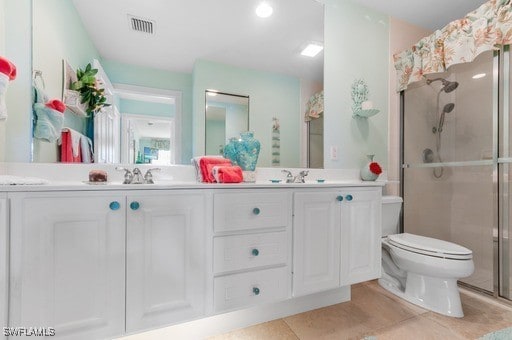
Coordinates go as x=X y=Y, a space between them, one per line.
x=458 y=206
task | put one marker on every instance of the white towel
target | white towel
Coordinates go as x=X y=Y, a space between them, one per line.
x=86 y=146
x=75 y=140
x=4 y=83
x=18 y=180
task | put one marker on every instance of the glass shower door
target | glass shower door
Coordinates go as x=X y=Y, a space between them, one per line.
x=449 y=161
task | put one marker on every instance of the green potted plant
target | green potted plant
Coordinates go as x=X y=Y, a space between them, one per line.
x=90 y=91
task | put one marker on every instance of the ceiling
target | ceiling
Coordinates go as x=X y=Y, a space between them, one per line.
x=229 y=32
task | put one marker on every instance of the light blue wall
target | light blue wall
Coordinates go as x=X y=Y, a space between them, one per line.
x=18 y=44
x=356 y=46
x=270 y=95
x=161 y=79
x=146 y=108
x=59 y=34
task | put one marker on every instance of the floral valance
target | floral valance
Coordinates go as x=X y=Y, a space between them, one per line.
x=315 y=107
x=461 y=41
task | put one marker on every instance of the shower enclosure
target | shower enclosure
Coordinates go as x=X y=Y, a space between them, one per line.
x=456 y=157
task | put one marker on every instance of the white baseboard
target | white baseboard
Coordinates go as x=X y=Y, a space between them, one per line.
x=222 y=323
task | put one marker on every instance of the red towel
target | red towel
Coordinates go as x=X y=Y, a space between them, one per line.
x=206 y=165
x=56 y=105
x=66 y=149
x=228 y=174
x=7 y=68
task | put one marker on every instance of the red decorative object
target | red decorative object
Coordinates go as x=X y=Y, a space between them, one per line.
x=375 y=168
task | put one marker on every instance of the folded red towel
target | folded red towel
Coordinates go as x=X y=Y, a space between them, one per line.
x=7 y=68
x=56 y=105
x=207 y=163
x=228 y=174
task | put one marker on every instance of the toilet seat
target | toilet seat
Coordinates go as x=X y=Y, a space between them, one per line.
x=430 y=246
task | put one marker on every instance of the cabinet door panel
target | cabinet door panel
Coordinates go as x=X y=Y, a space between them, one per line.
x=316 y=243
x=361 y=237
x=68 y=264
x=165 y=259
x=4 y=257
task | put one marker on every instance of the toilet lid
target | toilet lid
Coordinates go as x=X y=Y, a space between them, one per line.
x=430 y=246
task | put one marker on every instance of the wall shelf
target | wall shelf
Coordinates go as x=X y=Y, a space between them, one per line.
x=365 y=113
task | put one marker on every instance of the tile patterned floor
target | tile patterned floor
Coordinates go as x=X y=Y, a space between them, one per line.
x=375 y=312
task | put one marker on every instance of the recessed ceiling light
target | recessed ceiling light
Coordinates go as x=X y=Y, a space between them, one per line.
x=479 y=75
x=264 y=10
x=312 y=50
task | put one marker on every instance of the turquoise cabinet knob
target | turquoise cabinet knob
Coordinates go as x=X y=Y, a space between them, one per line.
x=255 y=252
x=134 y=205
x=339 y=198
x=114 y=205
x=349 y=197
x=256 y=211
x=256 y=290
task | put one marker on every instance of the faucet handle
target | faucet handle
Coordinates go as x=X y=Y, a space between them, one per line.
x=128 y=176
x=287 y=172
x=148 y=177
x=304 y=173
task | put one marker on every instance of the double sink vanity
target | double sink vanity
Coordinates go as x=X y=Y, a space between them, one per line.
x=100 y=261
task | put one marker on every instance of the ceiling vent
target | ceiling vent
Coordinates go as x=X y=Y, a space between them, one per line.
x=141 y=25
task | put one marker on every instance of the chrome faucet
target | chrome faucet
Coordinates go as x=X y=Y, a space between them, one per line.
x=289 y=176
x=137 y=177
x=128 y=176
x=295 y=179
x=148 y=177
x=300 y=177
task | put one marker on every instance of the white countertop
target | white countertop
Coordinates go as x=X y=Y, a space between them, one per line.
x=67 y=177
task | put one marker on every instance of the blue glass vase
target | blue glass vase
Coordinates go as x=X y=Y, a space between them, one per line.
x=230 y=150
x=248 y=150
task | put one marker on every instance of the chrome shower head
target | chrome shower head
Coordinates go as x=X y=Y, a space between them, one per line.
x=446 y=109
x=448 y=86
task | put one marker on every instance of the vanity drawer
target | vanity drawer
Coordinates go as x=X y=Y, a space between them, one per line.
x=252 y=288
x=249 y=251
x=241 y=211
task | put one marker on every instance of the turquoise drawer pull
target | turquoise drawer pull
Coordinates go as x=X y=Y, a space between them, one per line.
x=256 y=290
x=256 y=211
x=134 y=205
x=255 y=252
x=349 y=197
x=339 y=198
x=114 y=205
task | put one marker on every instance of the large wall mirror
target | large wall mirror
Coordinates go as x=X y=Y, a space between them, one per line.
x=226 y=115
x=155 y=44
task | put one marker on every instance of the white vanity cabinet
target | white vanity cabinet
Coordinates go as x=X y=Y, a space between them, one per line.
x=69 y=251
x=68 y=263
x=336 y=238
x=166 y=271
x=4 y=259
x=251 y=248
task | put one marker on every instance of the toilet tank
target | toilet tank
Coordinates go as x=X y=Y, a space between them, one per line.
x=391 y=206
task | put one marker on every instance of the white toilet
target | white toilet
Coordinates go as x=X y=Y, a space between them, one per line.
x=421 y=270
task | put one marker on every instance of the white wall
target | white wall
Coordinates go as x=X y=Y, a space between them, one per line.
x=356 y=46
x=2 y=53
x=18 y=44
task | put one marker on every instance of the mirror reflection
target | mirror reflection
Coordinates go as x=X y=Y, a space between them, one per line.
x=174 y=54
x=148 y=140
x=226 y=115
